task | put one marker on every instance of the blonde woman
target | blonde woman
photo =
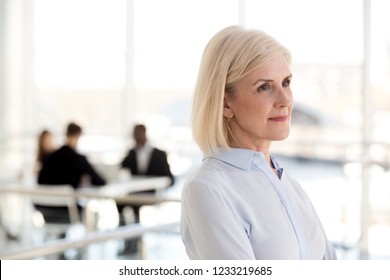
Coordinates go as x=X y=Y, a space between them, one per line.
x=240 y=204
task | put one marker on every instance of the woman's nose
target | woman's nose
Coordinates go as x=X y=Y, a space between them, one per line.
x=284 y=98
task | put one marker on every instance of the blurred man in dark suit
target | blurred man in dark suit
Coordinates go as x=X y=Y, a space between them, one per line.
x=143 y=159
x=66 y=166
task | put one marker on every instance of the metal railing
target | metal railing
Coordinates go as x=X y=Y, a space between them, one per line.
x=60 y=245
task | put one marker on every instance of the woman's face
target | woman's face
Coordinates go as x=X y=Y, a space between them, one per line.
x=260 y=107
x=47 y=143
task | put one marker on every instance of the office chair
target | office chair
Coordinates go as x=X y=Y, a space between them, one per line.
x=58 y=207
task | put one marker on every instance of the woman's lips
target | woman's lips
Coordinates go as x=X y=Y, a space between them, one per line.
x=279 y=118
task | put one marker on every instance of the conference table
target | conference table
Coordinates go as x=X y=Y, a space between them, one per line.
x=114 y=190
x=131 y=185
x=98 y=201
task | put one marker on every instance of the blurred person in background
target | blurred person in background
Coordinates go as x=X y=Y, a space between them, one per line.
x=65 y=166
x=44 y=149
x=240 y=203
x=146 y=160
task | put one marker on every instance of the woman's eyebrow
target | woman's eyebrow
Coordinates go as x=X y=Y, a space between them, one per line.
x=262 y=80
x=270 y=80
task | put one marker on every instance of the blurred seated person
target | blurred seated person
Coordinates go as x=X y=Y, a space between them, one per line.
x=45 y=148
x=65 y=166
x=144 y=159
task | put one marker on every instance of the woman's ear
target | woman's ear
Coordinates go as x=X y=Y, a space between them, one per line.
x=227 y=111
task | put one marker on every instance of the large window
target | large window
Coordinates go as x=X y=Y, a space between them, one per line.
x=108 y=64
x=79 y=63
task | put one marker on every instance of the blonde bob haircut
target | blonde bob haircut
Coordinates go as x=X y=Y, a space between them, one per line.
x=230 y=55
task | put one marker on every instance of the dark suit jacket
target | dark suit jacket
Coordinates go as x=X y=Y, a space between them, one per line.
x=158 y=164
x=66 y=166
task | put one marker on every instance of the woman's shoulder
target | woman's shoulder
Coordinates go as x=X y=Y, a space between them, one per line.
x=206 y=175
x=211 y=170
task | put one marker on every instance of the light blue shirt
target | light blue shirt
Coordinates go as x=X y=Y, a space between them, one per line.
x=235 y=207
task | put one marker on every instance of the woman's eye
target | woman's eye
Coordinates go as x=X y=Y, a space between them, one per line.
x=286 y=83
x=263 y=87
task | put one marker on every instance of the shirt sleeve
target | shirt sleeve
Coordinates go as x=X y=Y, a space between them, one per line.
x=209 y=226
x=96 y=179
x=330 y=253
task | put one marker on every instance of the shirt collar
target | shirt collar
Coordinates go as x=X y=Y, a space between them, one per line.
x=147 y=147
x=240 y=158
x=244 y=158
